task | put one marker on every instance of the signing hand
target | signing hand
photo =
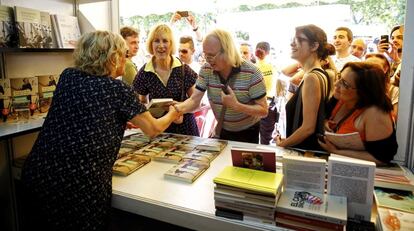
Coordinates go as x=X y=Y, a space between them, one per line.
x=279 y=141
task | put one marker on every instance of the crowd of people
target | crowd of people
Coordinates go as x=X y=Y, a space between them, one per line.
x=334 y=87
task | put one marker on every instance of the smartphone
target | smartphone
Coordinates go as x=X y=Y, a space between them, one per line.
x=384 y=39
x=183 y=13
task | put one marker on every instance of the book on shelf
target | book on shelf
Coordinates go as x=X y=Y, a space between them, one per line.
x=187 y=170
x=28 y=27
x=212 y=145
x=395 y=199
x=250 y=179
x=67 y=31
x=350 y=141
x=8 y=34
x=392 y=220
x=24 y=86
x=158 y=107
x=129 y=164
x=5 y=94
x=258 y=159
x=48 y=40
x=354 y=179
x=298 y=223
x=317 y=206
x=304 y=173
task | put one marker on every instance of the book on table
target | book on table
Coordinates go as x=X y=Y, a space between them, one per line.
x=348 y=141
x=250 y=179
x=317 y=206
x=212 y=145
x=158 y=107
x=187 y=170
x=391 y=220
x=129 y=164
x=258 y=159
x=354 y=179
x=304 y=173
x=394 y=199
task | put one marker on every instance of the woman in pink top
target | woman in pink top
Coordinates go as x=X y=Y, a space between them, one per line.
x=363 y=107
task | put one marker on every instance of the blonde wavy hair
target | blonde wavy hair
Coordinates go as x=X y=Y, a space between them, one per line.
x=162 y=29
x=99 y=52
x=228 y=47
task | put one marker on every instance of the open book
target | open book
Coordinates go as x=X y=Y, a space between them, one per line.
x=157 y=107
x=350 y=141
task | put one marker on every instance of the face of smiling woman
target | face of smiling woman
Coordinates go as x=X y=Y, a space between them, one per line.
x=161 y=46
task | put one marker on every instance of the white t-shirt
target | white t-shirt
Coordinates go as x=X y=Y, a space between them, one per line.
x=340 y=62
x=195 y=66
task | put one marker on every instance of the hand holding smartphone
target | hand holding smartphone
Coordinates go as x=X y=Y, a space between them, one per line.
x=384 y=39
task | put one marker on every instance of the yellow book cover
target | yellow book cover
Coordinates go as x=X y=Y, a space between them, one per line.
x=250 y=179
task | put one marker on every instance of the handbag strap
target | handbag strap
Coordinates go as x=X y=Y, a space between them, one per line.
x=321 y=110
x=220 y=120
x=182 y=81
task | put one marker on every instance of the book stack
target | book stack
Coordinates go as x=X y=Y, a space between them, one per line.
x=302 y=210
x=395 y=209
x=247 y=194
x=394 y=176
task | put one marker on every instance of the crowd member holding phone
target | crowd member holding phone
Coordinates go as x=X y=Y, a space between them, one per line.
x=363 y=107
x=392 y=45
x=67 y=177
x=235 y=89
x=165 y=76
x=305 y=109
x=190 y=19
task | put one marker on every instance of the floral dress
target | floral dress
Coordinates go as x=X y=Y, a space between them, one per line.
x=69 y=170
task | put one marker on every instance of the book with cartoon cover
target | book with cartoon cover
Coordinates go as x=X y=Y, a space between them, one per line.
x=187 y=170
x=129 y=164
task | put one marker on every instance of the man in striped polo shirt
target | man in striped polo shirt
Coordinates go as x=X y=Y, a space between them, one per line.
x=233 y=84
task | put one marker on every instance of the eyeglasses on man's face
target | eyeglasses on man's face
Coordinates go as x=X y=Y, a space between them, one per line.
x=183 y=51
x=209 y=57
x=343 y=83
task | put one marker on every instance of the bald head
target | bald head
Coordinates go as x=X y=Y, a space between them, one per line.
x=358 y=48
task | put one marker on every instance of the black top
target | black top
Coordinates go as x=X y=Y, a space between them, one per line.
x=147 y=83
x=69 y=170
x=311 y=142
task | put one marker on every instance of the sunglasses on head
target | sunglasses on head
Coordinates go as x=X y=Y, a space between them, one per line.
x=184 y=51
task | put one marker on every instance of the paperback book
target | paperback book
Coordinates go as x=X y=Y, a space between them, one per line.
x=349 y=141
x=322 y=207
x=158 y=107
x=187 y=171
x=28 y=27
x=258 y=159
x=129 y=164
x=392 y=220
x=212 y=145
x=67 y=30
x=250 y=179
x=8 y=34
x=395 y=199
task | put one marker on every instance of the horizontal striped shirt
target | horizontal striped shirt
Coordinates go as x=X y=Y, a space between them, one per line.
x=247 y=83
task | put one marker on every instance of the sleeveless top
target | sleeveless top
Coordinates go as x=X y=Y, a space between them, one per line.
x=348 y=125
x=311 y=142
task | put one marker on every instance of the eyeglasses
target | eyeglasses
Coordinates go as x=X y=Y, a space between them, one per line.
x=342 y=83
x=210 y=58
x=184 y=51
x=298 y=40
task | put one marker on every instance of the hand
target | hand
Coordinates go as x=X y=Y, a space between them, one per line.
x=130 y=125
x=191 y=20
x=279 y=141
x=383 y=47
x=229 y=99
x=328 y=146
x=179 y=120
x=175 y=17
x=329 y=125
x=393 y=53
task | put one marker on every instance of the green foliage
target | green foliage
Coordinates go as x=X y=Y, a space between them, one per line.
x=242 y=35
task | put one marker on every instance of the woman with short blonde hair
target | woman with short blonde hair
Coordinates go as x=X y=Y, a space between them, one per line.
x=164 y=30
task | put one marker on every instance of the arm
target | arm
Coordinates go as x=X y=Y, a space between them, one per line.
x=291 y=69
x=143 y=99
x=311 y=96
x=259 y=108
x=192 y=21
x=192 y=103
x=151 y=126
